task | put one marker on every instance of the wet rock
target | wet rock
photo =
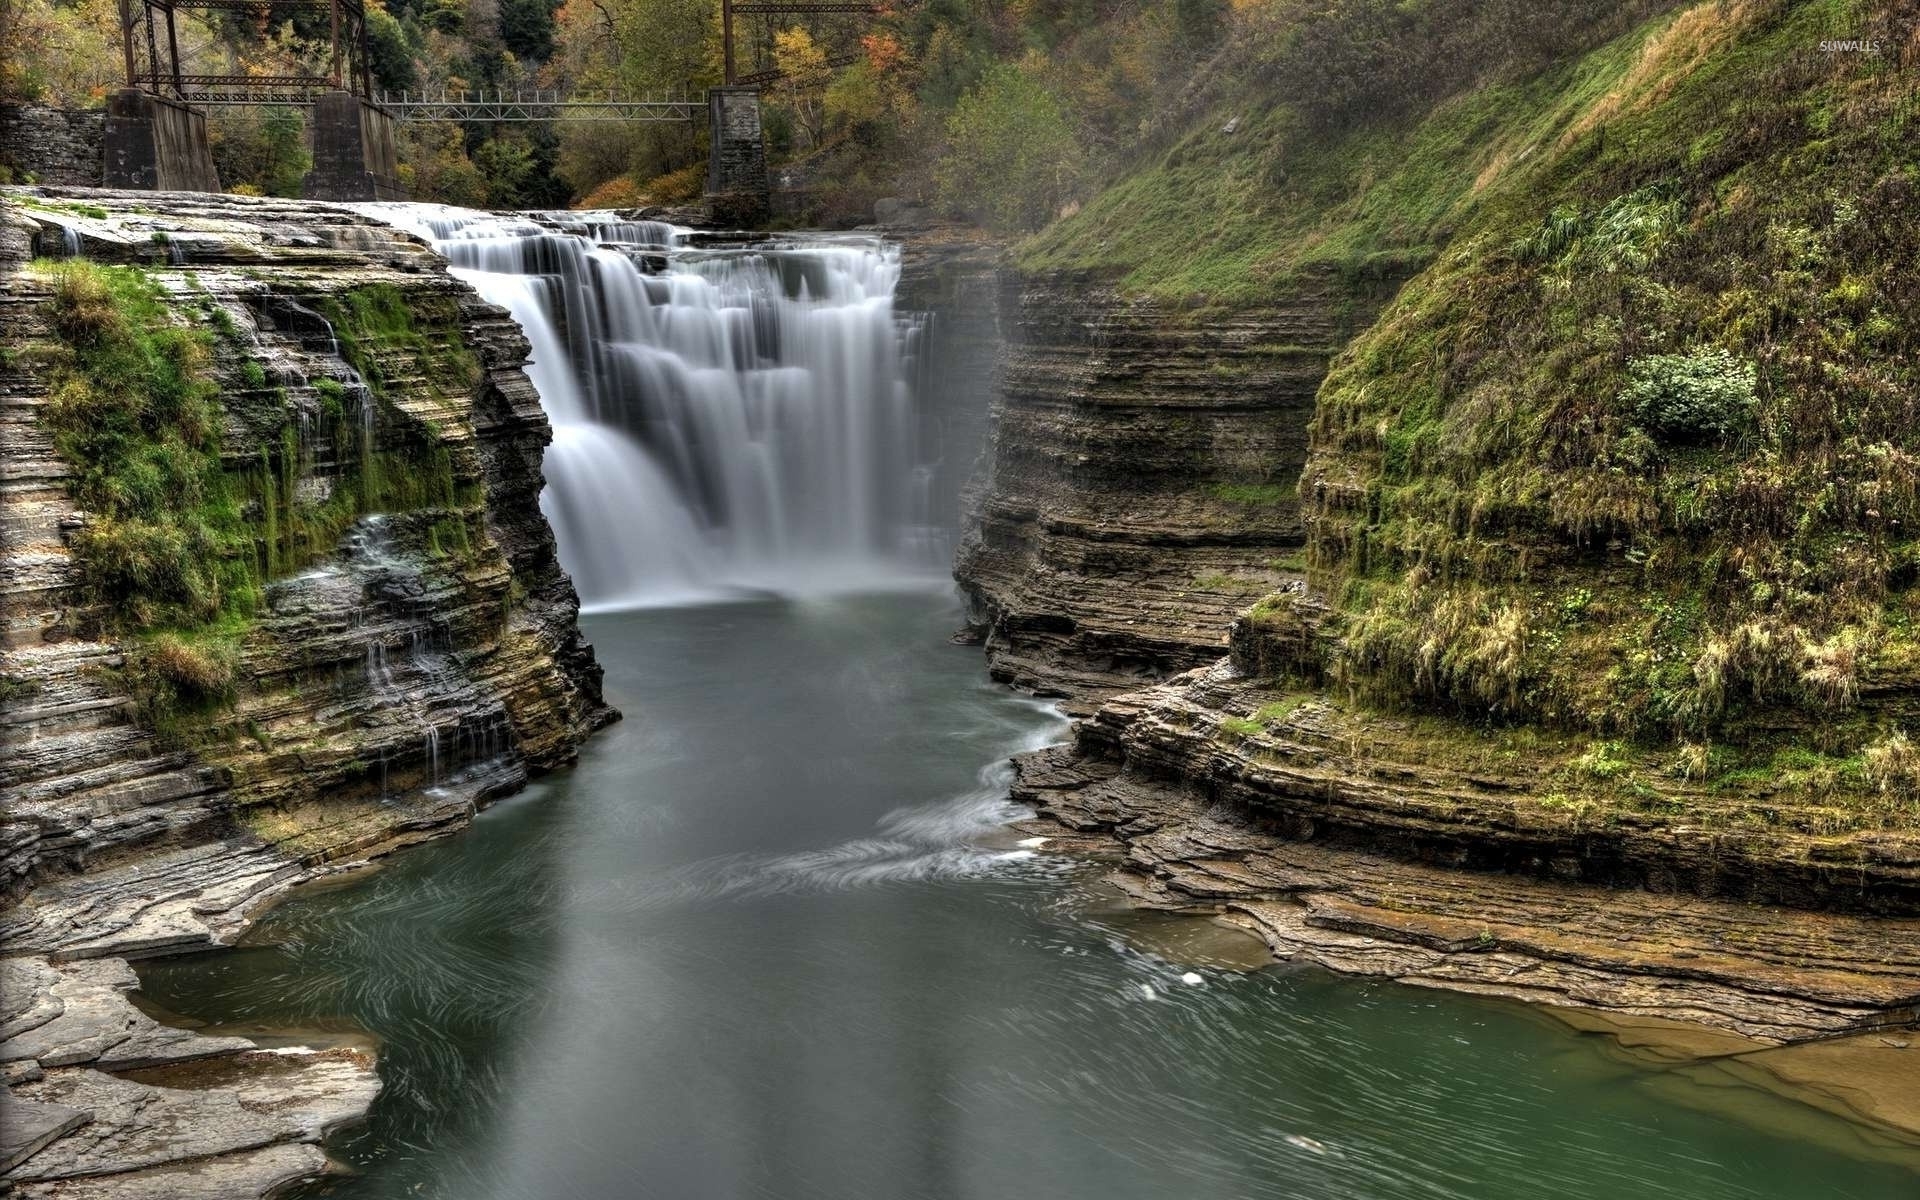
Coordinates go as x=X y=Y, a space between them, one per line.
x=236 y=1105
x=26 y=1126
x=388 y=688
x=93 y=1023
x=1306 y=833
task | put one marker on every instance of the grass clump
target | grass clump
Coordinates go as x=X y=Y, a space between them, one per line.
x=1240 y=727
x=131 y=409
x=1279 y=710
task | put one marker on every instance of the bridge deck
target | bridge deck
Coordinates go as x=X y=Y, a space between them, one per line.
x=540 y=104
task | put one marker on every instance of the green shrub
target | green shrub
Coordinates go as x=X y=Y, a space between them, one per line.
x=1014 y=157
x=1699 y=397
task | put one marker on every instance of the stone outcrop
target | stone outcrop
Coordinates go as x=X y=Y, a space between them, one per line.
x=1139 y=490
x=1137 y=499
x=386 y=686
x=1304 y=828
x=58 y=146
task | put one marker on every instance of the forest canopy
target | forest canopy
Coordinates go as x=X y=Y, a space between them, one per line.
x=1001 y=111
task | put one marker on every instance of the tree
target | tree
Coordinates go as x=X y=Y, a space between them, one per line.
x=507 y=164
x=261 y=151
x=434 y=165
x=803 y=79
x=1013 y=157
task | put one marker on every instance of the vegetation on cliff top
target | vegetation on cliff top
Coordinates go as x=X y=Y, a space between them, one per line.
x=1353 y=137
x=131 y=409
x=183 y=531
x=1636 y=454
x=1630 y=459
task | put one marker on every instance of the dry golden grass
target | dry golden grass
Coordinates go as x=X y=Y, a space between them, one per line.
x=1666 y=58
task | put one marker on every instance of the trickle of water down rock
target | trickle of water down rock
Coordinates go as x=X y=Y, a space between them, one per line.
x=737 y=418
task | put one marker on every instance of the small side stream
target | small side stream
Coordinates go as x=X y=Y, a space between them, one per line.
x=754 y=946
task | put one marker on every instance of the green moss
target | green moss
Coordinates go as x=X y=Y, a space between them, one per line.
x=180 y=541
x=388 y=336
x=130 y=408
x=1633 y=455
x=1252 y=494
x=1279 y=710
x=1217 y=582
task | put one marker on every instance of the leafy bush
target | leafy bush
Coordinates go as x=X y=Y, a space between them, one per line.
x=1013 y=158
x=1697 y=397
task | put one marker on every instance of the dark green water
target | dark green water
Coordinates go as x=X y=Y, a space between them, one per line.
x=750 y=948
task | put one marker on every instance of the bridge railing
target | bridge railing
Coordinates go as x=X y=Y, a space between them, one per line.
x=541 y=104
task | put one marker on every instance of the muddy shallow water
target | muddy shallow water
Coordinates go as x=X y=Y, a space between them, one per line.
x=756 y=946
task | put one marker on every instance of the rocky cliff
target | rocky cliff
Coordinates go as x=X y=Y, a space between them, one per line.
x=1140 y=487
x=1588 y=674
x=294 y=605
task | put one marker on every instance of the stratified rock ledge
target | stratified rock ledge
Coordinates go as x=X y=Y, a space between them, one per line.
x=387 y=687
x=1323 y=863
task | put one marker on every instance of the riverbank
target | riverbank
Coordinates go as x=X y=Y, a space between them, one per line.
x=391 y=646
x=853 y=996
x=1275 y=832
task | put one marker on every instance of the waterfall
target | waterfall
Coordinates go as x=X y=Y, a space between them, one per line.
x=725 y=419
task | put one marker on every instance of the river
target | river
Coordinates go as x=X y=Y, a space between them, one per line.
x=771 y=937
x=752 y=947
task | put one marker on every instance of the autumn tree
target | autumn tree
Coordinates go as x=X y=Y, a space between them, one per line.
x=803 y=80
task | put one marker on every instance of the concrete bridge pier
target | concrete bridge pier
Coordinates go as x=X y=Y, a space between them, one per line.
x=157 y=145
x=353 y=151
x=737 y=186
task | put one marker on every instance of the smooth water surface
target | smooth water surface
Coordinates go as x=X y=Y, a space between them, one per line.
x=752 y=947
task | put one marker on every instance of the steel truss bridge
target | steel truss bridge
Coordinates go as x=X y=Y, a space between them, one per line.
x=150 y=47
x=541 y=104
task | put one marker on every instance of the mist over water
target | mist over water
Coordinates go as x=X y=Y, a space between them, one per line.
x=725 y=420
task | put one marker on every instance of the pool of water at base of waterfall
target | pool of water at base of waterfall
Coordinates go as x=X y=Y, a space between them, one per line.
x=755 y=946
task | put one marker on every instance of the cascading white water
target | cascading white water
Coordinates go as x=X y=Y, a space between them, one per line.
x=725 y=418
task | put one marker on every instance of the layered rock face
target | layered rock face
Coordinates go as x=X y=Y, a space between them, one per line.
x=52 y=145
x=411 y=652
x=1361 y=842
x=1139 y=489
x=1593 y=697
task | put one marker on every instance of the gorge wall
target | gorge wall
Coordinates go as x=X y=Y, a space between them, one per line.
x=1141 y=485
x=1525 y=689
x=359 y=635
